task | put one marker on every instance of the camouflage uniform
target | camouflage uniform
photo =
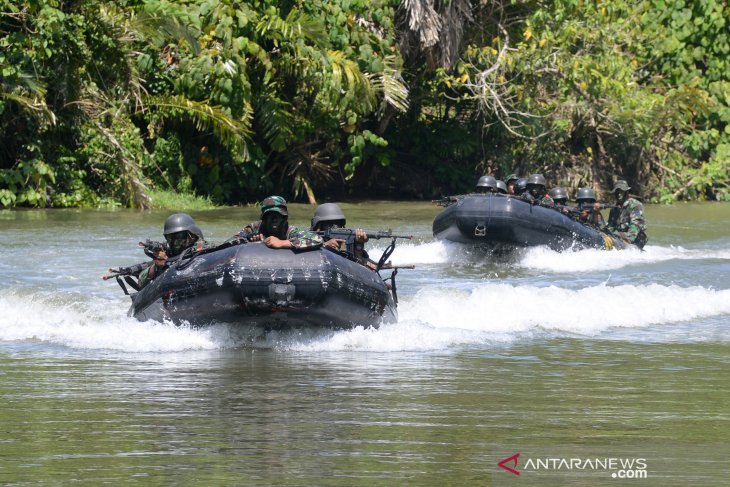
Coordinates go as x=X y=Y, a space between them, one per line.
x=144 y=276
x=627 y=221
x=300 y=239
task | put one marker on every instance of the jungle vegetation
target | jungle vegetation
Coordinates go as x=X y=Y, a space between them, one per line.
x=105 y=103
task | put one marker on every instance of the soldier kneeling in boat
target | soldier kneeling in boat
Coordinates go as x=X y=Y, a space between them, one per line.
x=590 y=211
x=536 y=193
x=487 y=184
x=330 y=216
x=274 y=229
x=181 y=233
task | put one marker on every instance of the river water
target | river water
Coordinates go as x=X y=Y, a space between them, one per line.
x=586 y=368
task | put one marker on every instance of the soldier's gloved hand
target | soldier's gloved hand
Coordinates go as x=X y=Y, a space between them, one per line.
x=360 y=236
x=158 y=264
x=335 y=243
x=160 y=258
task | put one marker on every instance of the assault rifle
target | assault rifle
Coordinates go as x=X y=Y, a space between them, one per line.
x=445 y=200
x=151 y=247
x=576 y=211
x=349 y=236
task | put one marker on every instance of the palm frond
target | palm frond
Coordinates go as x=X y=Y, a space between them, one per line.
x=390 y=83
x=33 y=105
x=295 y=26
x=275 y=117
x=231 y=132
x=347 y=77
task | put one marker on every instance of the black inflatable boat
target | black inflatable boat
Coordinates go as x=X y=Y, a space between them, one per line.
x=251 y=284
x=501 y=221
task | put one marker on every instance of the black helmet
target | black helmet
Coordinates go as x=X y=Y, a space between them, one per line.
x=585 y=195
x=181 y=232
x=180 y=222
x=537 y=180
x=521 y=186
x=195 y=230
x=558 y=193
x=328 y=212
x=501 y=187
x=487 y=182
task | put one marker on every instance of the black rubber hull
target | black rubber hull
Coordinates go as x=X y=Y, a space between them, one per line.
x=250 y=284
x=506 y=222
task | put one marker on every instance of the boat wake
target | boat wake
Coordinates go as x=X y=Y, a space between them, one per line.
x=543 y=258
x=435 y=318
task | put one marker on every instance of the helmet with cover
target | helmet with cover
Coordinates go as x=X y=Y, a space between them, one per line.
x=621 y=185
x=274 y=217
x=274 y=203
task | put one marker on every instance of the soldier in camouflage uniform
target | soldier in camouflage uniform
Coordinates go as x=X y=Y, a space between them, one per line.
x=627 y=220
x=536 y=193
x=181 y=233
x=274 y=229
x=486 y=184
x=330 y=215
x=590 y=212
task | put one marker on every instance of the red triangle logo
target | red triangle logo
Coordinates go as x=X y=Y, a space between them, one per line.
x=513 y=458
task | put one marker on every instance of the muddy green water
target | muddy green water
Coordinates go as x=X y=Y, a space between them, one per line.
x=597 y=368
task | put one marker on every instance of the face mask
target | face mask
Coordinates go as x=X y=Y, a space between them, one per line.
x=178 y=241
x=273 y=224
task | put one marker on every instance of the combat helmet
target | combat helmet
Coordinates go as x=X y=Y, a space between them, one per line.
x=558 y=193
x=328 y=212
x=501 y=186
x=520 y=186
x=489 y=182
x=181 y=222
x=585 y=195
x=511 y=177
x=274 y=203
x=180 y=232
x=536 y=180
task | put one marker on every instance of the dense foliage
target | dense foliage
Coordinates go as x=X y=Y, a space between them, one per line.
x=104 y=103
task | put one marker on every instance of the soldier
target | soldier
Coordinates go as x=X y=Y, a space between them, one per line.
x=627 y=220
x=519 y=187
x=536 y=193
x=511 y=181
x=590 y=212
x=330 y=215
x=559 y=195
x=274 y=229
x=181 y=233
x=487 y=184
x=501 y=187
